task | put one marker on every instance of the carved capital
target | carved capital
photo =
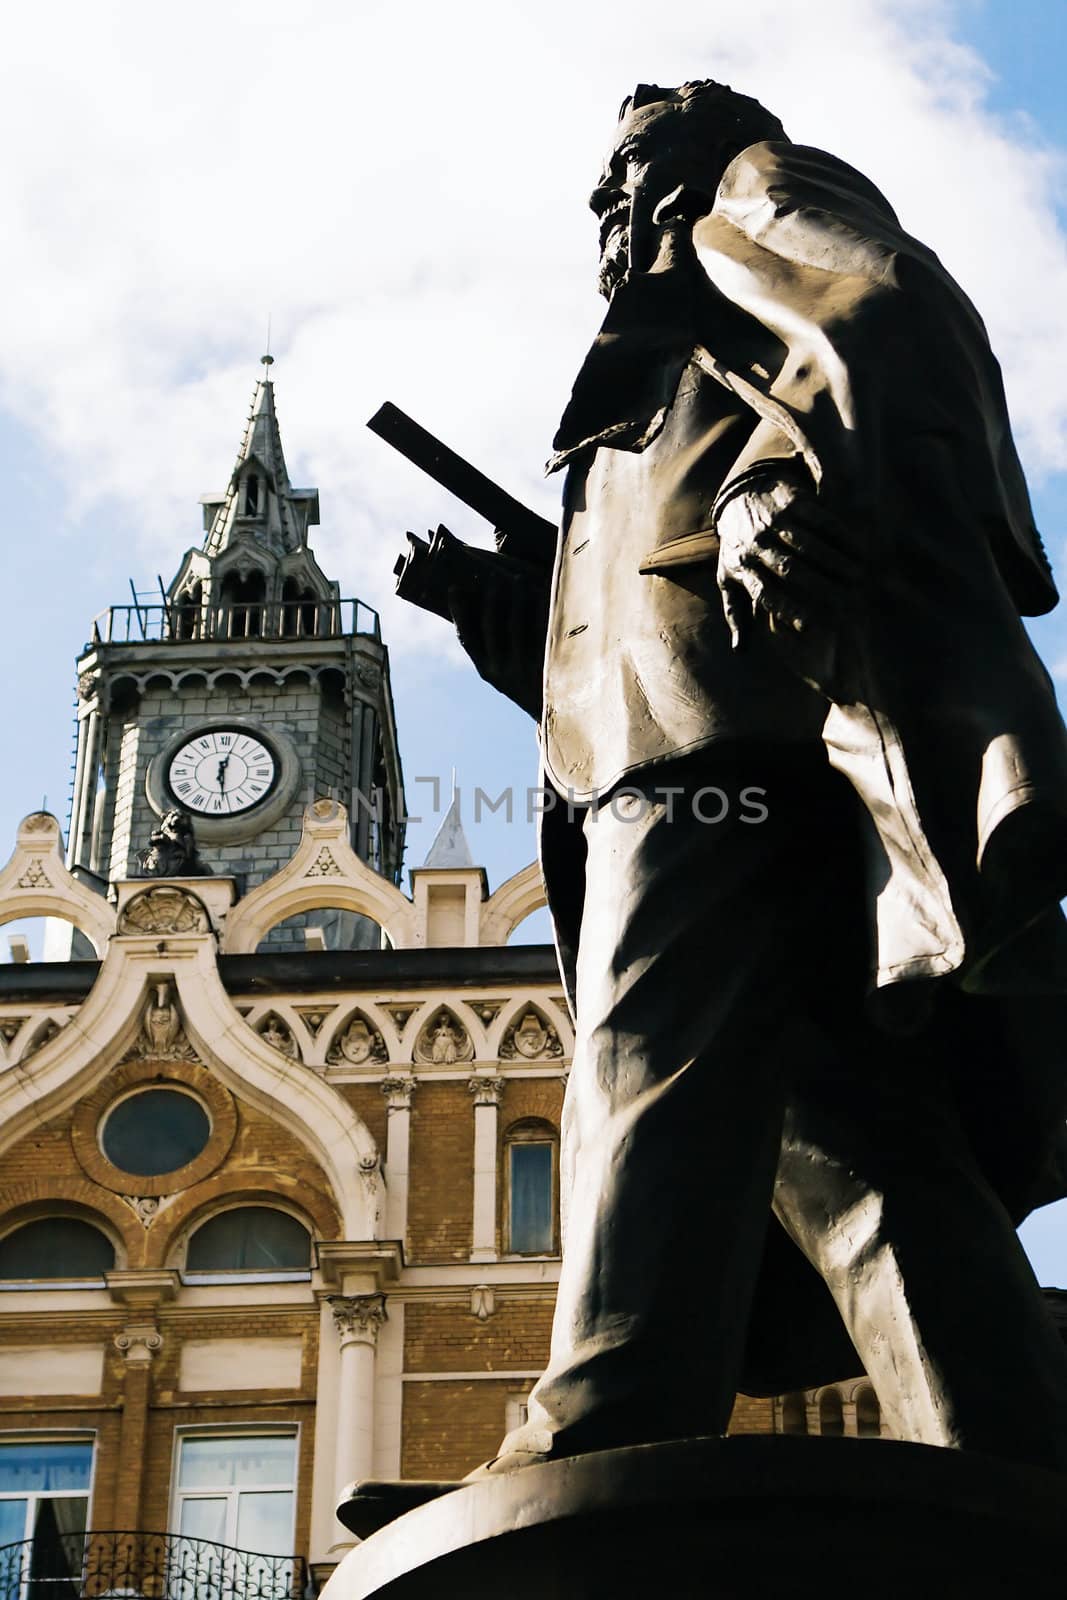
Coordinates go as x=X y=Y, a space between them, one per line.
x=486 y=1091
x=139 y=1343
x=398 y=1092
x=358 y=1316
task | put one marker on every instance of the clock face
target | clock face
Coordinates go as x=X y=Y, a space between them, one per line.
x=221 y=772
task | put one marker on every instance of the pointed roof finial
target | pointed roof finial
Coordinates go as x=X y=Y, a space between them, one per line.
x=450 y=847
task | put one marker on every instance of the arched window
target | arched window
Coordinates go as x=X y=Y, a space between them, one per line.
x=794 y=1414
x=531 y=1166
x=831 y=1415
x=868 y=1415
x=300 y=610
x=56 y=1247
x=187 y=612
x=252 y=1238
x=241 y=605
x=324 y=928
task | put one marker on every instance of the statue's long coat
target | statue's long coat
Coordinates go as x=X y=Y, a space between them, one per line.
x=864 y=360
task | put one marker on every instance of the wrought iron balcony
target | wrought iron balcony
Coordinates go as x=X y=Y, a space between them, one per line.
x=146 y=1566
x=275 y=619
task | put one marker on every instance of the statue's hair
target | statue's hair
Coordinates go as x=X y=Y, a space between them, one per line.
x=733 y=121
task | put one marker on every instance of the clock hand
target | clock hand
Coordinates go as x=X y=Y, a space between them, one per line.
x=222 y=773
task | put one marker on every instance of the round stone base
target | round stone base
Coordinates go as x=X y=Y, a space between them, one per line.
x=752 y=1518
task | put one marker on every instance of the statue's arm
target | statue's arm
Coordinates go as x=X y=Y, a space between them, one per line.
x=785 y=563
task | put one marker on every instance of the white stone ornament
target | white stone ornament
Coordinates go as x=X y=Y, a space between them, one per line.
x=443 y=1041
x=358 y=1044
x=530 y=1037
x=163 y=910
x=279 y=1035
x=162 y=1036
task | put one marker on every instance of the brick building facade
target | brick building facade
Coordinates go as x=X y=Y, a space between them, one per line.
x=274 y=1214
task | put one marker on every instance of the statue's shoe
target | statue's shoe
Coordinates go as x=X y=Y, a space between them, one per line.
x=370 y=1503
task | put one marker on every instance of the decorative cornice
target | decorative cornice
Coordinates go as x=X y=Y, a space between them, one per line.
x=377 y=1261
x=358 y=1317
x=142 y=1288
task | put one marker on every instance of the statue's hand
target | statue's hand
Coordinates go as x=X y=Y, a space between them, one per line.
x=783 y=554
x=502 y=622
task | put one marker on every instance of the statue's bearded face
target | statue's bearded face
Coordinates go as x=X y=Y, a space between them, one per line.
x=657 y=151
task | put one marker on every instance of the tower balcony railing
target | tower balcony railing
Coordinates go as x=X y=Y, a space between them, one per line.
x=269 y=619
x=145 y=1566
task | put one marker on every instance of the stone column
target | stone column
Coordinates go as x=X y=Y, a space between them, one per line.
x=486 y=1092
x=357 y=1318
x=138 y=1343
x=398 y=1092
x=83 y=788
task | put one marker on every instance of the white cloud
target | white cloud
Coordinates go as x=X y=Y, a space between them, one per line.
x=403 y=190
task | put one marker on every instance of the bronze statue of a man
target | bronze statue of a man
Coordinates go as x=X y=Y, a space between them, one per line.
x=810 y=830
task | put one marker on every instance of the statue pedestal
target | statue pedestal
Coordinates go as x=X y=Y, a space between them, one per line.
x=746 y=1518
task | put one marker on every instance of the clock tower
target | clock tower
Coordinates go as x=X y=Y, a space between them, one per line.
x=248 y=689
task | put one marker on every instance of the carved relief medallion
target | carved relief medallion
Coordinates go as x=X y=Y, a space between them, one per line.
x=443 y=1040
x=359 y=1043
x=530 y=1037
x=163 y=910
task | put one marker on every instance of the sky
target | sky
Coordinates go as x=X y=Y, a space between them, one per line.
x=401 y=192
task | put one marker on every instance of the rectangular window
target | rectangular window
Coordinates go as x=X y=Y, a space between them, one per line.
x=44 y=1509
x=238 y=1490
x=530 y=1211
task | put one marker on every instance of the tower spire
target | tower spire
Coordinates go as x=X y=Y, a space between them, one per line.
x=259 y=501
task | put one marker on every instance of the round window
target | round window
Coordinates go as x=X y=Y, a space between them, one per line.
x=156 y=1131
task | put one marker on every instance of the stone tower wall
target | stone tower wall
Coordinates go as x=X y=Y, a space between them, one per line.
x=293 y=709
